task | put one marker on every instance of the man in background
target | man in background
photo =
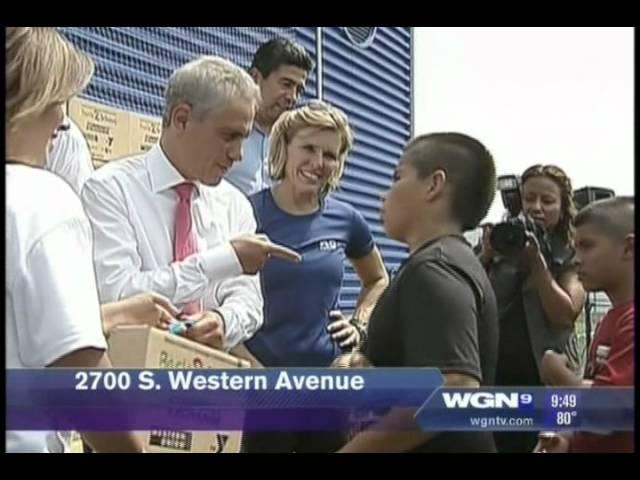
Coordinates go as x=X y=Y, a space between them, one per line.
x=280 y=68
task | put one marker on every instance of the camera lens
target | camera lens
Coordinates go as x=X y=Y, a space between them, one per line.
x=508 y=239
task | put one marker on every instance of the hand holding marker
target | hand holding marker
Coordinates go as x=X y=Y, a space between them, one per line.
x=180 y=327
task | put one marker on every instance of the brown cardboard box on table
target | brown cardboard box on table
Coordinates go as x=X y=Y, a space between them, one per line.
x=147 y=347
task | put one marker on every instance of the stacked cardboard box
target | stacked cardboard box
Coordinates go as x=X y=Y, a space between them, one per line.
x=106 y=129
x=113 y=133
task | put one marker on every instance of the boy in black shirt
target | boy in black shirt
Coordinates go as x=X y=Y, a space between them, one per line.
x=440 y=310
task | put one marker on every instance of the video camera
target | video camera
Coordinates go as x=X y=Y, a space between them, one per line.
x=509 y=237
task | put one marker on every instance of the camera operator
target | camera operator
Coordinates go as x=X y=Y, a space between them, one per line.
x=529 y=260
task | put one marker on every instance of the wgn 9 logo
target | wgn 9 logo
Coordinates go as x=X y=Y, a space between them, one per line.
x=522 y=401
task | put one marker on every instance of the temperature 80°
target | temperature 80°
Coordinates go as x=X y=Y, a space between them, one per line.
x=564 y=419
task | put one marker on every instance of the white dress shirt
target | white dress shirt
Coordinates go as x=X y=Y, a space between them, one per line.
x=252 y=173
x=70 y=157
x=132 y=208
x=51 y=299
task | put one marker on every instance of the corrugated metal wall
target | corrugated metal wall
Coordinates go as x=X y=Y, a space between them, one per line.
x=134 y=63
x=372 y=85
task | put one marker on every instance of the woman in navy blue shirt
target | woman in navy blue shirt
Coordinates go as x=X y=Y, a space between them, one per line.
x=309 y=146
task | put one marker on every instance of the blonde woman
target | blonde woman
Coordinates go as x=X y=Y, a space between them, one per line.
x=302 y=324
x=52 y=311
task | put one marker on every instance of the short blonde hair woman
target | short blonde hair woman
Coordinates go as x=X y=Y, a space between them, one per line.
x=53 y=313
x=43 y=72
x=303 y=325
x=314 y=115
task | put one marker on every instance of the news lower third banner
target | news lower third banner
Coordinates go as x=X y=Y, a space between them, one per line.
x=597 y=409
x=296 y=399
x=291 y=399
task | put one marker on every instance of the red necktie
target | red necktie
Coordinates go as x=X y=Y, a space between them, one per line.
x=185 y=242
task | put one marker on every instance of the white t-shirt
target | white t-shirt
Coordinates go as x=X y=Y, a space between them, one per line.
x=70 y=157
x=51 y=306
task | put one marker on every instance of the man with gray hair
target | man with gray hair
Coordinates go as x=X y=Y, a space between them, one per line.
x=166 y=221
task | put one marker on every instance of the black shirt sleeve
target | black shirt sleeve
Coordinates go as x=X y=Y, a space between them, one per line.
x=439 y=320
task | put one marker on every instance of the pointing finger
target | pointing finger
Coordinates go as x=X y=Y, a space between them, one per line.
x=283 y=253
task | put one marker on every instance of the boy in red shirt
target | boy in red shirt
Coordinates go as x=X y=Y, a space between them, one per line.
x=605 y=261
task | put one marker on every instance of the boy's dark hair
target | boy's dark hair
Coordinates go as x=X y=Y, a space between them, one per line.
x=470 y=171
x=278 y=52
x=613 y=216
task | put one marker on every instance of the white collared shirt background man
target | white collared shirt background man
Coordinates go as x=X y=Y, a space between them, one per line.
x=70 y=157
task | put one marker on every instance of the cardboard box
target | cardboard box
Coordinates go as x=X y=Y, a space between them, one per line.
x=242 y=352
x=147 y=347
x=106 y=129
x=144 y=132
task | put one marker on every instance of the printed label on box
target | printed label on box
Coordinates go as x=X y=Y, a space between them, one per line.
x=106 y=129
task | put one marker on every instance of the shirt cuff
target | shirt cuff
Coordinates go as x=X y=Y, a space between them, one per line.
x=233 y=333
x=220 y=263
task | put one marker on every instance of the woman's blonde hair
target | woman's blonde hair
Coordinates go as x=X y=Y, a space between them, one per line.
x=43 y=68
x=315 y=114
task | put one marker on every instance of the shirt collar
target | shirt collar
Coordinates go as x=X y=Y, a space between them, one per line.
x=259 y=130
x=162 y=174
